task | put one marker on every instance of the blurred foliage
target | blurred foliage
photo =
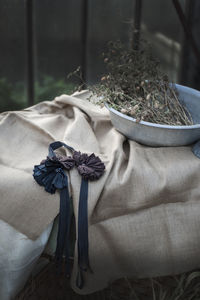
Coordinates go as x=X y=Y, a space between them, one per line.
x=48 y=88
x=13 y=96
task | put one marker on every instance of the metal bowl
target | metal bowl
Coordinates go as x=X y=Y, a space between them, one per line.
x=152 y=134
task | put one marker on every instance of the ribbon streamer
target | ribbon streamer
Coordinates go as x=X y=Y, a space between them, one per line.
x=63 y=230
x=83 y=256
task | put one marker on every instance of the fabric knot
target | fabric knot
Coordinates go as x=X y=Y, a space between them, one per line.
x=50 y=172
x=92 y=168
x=79 y=158
x=50 y=178
x=67 y=162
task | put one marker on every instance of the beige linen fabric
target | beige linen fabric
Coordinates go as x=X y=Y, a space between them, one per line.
x=143 y=213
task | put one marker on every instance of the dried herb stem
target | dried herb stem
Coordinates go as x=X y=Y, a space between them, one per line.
x=135 y=86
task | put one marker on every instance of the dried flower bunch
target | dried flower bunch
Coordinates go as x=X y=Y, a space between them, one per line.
x=135 y=86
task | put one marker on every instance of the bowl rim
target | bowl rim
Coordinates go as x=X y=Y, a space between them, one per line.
x=189 y=90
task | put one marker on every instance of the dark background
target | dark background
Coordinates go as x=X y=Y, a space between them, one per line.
x=43 y=40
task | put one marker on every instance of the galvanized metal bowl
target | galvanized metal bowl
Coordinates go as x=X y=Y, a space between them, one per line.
x=152 y=134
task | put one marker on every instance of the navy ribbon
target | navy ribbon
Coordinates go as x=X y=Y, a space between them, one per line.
x=83 y=256
x=63 y=230
x=50 y=174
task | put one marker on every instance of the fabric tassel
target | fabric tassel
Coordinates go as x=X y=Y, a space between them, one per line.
x=79 y=279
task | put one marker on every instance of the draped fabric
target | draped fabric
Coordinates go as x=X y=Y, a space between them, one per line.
x=18 y=257
x=143 y=213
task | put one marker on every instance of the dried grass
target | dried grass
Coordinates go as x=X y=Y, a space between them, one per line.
x=135 y=86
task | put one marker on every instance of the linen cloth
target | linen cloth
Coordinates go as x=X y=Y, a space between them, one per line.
x=143 y=213
x=18 y=258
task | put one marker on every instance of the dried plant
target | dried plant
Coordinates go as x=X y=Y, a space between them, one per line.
x=135 y=86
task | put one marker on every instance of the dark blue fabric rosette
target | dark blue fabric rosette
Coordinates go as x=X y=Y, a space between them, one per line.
x=51 y=174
